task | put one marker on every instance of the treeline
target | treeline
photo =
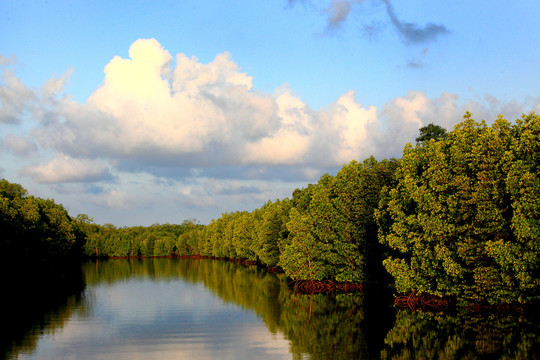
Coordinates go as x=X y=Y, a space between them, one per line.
x=34 y=226
x=464 y=218
x=325 y=231
x=458 y=217
x=42 y=246
x=138 y=241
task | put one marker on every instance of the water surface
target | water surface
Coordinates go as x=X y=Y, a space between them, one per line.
x=207 y=309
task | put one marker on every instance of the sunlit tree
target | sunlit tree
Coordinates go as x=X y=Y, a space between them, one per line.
x=463 y=220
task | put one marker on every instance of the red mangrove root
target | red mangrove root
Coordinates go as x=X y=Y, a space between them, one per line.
x=416 y=301
x=326 y=286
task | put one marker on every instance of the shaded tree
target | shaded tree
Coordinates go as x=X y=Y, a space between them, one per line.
x=333 y=231
x=431 y=132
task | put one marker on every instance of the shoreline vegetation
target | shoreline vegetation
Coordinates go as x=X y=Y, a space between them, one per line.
x=300 y=286
x=454 y=223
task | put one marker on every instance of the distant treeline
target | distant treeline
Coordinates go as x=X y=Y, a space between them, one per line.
x=458 y=216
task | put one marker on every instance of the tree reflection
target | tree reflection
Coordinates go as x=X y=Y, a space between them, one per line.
x=321 y=326
x=343 y=326
x=424 y=335
x=38 y=308
x=325 y=326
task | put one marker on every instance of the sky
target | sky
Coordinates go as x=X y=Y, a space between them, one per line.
x=143 y=112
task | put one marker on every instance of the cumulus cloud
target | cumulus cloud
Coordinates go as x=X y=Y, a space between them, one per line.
x=184 y=119
x=62 y=168
x=403 y=116
x=116 y=199
x=19 y=145
x=15 y=97
x=146 y=109
x=346 y=129
x=289 y=142
x=196 y=114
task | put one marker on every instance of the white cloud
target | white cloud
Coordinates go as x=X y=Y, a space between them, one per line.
x=186 y=139
x=283 y=147
x=146 y=109
x=155 y=115
x=347 y=126
x=15 y=97
x=19 y=145
x=403 y=116
x=116 y=199
x=62 y=168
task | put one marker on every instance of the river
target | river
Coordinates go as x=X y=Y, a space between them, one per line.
x=211 y=309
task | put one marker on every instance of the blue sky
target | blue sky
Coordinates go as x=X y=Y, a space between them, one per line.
x=136 y=112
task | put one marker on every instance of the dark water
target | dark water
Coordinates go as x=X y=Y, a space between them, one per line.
x=207 y=309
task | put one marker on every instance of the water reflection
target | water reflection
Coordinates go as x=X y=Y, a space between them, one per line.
x=35 y=307
x=324 y=326
x=462 y=336
x=185 y=309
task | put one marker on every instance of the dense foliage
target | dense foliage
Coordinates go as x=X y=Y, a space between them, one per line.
x=464 y=218
x=154 y=240
x=333 y=233
x=36 y=233
x=326 y=231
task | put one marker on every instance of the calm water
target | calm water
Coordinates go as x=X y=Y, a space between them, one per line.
x=205 y=309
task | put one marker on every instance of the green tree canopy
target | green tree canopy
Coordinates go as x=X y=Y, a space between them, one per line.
x=333 y=233
x=463 y=220
x=431 y=131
